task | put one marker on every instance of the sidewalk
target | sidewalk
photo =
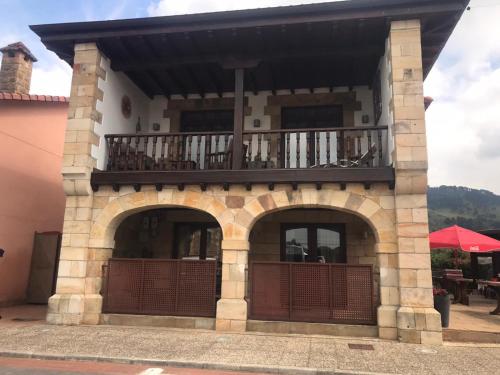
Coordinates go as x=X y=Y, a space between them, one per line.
x=245 y=352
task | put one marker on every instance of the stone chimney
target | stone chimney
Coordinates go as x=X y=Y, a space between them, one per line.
x=17 y=63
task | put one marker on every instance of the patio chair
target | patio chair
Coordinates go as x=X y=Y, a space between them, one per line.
x=223 y=159
x=365 y=160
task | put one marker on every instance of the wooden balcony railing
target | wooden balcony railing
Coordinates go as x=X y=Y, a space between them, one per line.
x=294 y=156
x=265 y=149
x=313 y=148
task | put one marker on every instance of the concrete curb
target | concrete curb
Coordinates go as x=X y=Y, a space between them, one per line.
x=188 y=364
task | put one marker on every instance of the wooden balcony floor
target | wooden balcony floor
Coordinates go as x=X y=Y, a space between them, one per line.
x=247 y=177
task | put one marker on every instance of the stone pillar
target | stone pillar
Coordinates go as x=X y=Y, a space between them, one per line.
x=232 y=307
x=387 y=259
x=417 y=320
x=76 y=291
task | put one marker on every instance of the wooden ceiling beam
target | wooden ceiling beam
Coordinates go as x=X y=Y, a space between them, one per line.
x=196 y=48
x=138 y=64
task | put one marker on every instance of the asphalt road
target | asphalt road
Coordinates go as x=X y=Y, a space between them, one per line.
x=17 y=366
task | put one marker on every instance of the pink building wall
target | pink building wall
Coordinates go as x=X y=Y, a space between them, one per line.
x=31 y=193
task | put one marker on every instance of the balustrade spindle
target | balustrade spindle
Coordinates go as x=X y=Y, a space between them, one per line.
x=180 y=148
x=163 y=140
x=110 y=152
x=380 y=155
x=339 y=147
x=318 y=158
x=189 y=144
x=127 y=153
x=359 y=147
x=268 y=149
x=118 y=161
x=198 y=149
x=207 y=150
x=297 y=151
x=153 y=152
x=250 y=148
x=217 y=145
x=136 y=156
x=287 y=163
x=308 y=149
x=170 y=150
x=328 y=156
x=259 y=146
x=278 y=150
x=145 y=153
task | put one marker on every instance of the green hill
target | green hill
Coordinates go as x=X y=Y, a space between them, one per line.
x=469 y=208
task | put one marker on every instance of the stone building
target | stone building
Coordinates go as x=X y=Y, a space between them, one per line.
x=251 y=170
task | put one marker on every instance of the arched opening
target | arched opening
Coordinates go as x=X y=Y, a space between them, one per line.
x=166 y=261
x=313 y=265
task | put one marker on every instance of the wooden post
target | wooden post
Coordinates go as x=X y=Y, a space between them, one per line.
x=239 y=96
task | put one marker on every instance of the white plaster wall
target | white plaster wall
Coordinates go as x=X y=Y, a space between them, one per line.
x=115 y=87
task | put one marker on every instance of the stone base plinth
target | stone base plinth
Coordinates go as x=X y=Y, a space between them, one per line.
x=419 y=326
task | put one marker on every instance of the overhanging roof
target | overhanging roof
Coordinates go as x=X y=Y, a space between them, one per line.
x=304 y=46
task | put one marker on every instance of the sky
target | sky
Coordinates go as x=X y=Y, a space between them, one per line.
x=463 y=123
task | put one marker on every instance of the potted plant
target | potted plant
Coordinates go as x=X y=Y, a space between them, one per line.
x=442 y=303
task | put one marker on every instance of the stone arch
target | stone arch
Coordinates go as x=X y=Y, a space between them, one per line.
x=106 y=223
x=379 y=220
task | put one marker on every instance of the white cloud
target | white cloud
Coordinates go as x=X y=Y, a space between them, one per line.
x=55 y=80
x=172 y=7
x=463 y=123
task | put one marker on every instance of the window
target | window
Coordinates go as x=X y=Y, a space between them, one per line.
x=316 y=243
x=207 y=121
x=197 y=241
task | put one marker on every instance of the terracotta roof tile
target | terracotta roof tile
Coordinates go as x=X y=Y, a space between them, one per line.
x=33 y=98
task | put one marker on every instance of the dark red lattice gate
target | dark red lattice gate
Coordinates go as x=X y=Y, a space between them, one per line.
x=160 y=287
x=312 y=292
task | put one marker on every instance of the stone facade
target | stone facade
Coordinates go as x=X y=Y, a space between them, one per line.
x=397 y=218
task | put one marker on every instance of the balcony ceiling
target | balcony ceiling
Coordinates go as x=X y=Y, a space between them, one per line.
x=306 y=46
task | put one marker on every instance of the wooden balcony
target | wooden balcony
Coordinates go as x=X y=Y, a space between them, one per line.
x=292 y=156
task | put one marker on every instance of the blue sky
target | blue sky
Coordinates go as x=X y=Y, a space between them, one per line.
x=463 y=124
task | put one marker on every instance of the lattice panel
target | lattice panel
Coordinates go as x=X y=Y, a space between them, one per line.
x=124 y=286
x=270 y=291
x=330 y=293
x=159 y=293
x=196 y=288
x=310 y=291
x=338 y=287
x=161 y=287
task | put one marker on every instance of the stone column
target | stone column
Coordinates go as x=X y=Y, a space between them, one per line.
x=387 y=259
x=75 y=294
x=232 y=307
x=417 y=320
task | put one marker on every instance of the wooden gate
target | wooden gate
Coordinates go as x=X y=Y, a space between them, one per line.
x=312 y=292
x=160 y=287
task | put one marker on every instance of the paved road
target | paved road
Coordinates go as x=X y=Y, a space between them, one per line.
x=15 y=366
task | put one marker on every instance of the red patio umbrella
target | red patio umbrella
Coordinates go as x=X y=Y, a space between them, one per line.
x=463 y=239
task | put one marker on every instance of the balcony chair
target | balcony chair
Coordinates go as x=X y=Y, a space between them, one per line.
x=223 y=159
x=365 y=160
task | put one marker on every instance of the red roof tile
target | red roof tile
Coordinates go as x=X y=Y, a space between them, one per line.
x=33 y=98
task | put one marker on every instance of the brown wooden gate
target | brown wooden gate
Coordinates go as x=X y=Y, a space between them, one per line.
x=160 y=287
x=312 y=292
